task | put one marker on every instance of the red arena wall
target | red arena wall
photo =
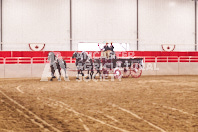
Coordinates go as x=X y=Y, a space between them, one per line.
x=27 y=57
x=69 y=53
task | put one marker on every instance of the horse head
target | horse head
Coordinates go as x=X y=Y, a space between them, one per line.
x=85 y=56
x=51 y=56
x=75 y=54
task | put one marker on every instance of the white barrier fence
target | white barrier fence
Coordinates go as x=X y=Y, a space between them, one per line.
x=39 y=60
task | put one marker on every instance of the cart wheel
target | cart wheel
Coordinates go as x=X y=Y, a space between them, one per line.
x=117 y=73
x=136 y=70
x=126 y=72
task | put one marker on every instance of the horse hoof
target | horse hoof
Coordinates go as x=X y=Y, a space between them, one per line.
x=87 y=77
x=51 y=80
x=54 y=77
x=77 y=78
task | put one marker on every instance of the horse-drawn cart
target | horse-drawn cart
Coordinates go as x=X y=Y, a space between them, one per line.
x=122 y=67
x=112 y=65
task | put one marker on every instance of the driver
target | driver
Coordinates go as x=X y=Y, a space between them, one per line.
x=106 y=50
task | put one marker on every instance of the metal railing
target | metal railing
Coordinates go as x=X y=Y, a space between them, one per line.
x=147 y=59
x=30 y=60
x=170 y=59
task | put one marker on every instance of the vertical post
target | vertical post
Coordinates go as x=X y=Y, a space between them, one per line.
x=195 y=25
x=137 y=26
x=4 y=62
x=70 y=25
x=31 y=66
x=1 y=24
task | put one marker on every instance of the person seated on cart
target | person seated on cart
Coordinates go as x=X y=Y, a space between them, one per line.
x=111 y=47
x=106 y=50
x=112 y=53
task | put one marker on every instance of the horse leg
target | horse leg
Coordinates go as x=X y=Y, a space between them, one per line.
x=82 y=73
x=99 y=73
x=78 y=74
x=92 y=73
x=65 y=69
x=65 y=73
x=95 y=74
x=59 y=70
x=59 y=79
x=52 y=73
x=88 y=75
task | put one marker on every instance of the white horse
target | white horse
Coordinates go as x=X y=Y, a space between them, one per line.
x=56 y=63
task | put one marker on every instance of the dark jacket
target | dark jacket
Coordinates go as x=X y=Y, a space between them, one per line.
x=106 y=48
x=111 y=47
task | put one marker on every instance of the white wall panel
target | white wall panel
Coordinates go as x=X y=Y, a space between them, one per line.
x=36 y=21
x=23 y=70
x=2 y=69
x=166 y=22
x=197 y=26
x=104 y=20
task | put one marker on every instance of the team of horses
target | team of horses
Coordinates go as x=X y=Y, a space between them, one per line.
x=83 y=62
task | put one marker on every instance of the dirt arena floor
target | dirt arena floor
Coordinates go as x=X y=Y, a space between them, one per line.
x=149 y=103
